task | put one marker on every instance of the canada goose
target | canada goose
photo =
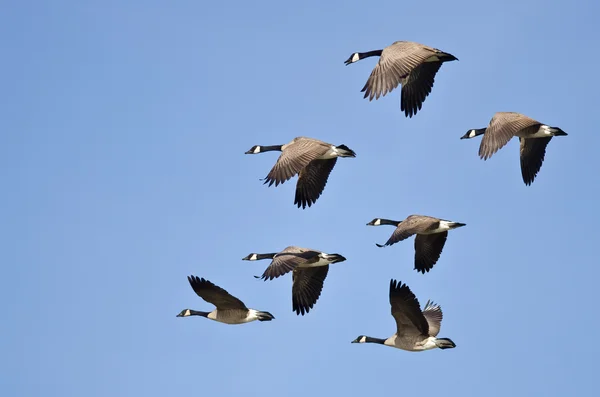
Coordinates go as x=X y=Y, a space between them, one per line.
x=311 y=158
x=533 y=136
x=431 y=236
x=309 y=269
x=408 y=63
x=230 y=310
x=416 y=330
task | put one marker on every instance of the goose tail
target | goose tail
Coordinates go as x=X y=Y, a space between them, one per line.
x=445 y=343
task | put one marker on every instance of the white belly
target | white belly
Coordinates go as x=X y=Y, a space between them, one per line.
x=429 y=344
x=230 y=317
x=542 y=132
x=321 y=262
x=443 y=227
x=411 y=346
x=330 y=154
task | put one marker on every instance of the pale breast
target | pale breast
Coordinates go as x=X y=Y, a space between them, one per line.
x=409 y=343
x=237 y=316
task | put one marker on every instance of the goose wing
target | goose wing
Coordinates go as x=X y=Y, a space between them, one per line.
x=307 y=287
x=502 y=127
x=433 y=314
x=533 y=151
x=428 y=248
x=312 y=181
x=295 y=156
x=417 y=87
x=406 y=310
x=287 y=260
x=214 y=294
x=395 y=63
x=411 y=225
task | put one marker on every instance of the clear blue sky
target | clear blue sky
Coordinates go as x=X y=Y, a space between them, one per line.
x=123 y=131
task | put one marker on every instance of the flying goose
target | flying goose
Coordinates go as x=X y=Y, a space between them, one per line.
x=431 y=236
x=311 y=158
x=416 y=330
x=410 y=64
x=309 y=269
x=533 y=137
x=230 y=310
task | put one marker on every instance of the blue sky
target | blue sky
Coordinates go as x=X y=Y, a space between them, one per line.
x=124 y=128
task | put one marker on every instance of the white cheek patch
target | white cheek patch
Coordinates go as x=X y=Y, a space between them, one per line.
x=256 y=150
x=377 y=222
x=472 y=134
x=355 y=57
x=363 y=339
x=187 y=313
x=253 y=257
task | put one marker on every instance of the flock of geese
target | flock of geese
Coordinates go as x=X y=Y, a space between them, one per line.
x=414 y=67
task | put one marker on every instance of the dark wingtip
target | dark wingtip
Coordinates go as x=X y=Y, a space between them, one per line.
x=423 y=269
x=379 y=245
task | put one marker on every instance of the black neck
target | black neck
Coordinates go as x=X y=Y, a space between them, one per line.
x=363 y=55
x=197 y=313
x=265 y=256
x=368 y=339
x=389 y=222
x=271 y=148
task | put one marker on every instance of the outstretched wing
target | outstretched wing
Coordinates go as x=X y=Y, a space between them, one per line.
x=411 y=225
x=307 y=287
x=417 y=87
x=296 y=155
x=504 y=126
x=433 y=315
x=312 y=181
x=428 y=248
x=533 y=151
x=406 y=310
x=395 y=64
x=214 y=294
x=288 y=260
